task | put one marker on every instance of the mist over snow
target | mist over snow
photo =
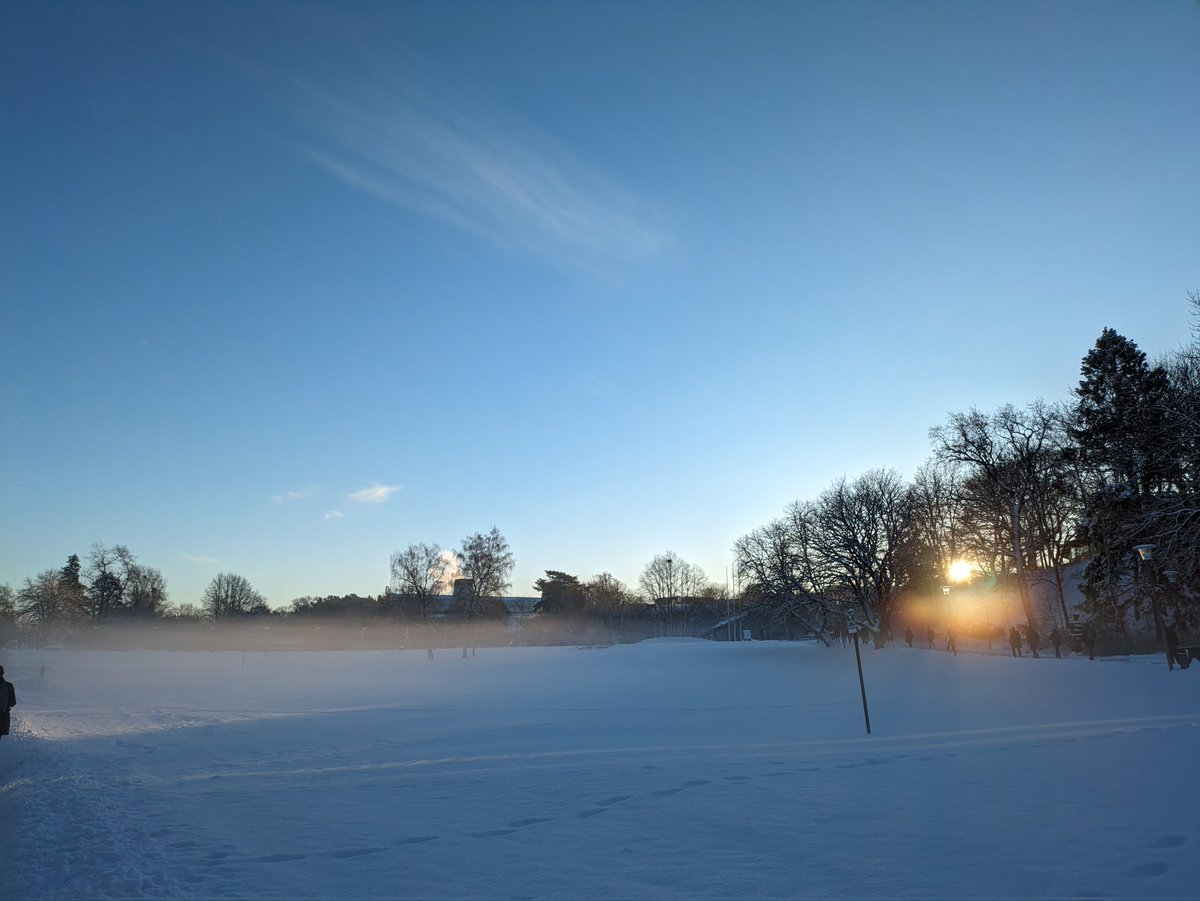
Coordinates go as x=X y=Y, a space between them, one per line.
x=666 y=769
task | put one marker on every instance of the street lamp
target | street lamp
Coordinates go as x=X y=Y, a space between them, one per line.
x=1145 y=553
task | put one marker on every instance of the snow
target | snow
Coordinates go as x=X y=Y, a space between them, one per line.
x=684 y=769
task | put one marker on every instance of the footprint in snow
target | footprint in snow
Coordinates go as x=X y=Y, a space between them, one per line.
x=354 y=852
x=682 y=786
x=529 y=821
x=1148 y=870
x=1168 y=841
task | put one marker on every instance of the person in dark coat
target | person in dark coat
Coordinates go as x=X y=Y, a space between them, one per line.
x=1034 y=642
x=1089 y=640
x=1056 y=640
x=908 y=636
x=1172 y=639
x=929 y=635
x=951 y=644
x=1014 y=642
x=8 y=700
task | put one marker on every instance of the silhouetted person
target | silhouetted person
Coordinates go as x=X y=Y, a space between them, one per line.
x=1056 y=640
x=1034 y=642
x=1014 y=642
x=8 y=700
x=951 y=644
x=929 y=635
x=1172 y=638
x=1089 y=640
x=908 y=636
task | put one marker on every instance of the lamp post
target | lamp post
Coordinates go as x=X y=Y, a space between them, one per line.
x=852 y=628
x=947 y=613
x=1145 y=553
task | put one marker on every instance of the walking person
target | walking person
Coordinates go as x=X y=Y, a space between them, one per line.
x=1172 y=639
x=1034 y=642
x=1056 y=640
x=1014 y=642
x=8 y=700
x=951 y=644
x=929 y=635
x=908 y=636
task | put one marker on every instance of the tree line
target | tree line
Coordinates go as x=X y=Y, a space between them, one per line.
x=111 y=585
x=429 y=585
x=1018 y=489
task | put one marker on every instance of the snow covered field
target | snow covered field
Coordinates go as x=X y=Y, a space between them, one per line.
x=667 y=769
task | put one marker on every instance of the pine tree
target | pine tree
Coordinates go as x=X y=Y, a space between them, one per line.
x=73 y=593
x=1120 y=416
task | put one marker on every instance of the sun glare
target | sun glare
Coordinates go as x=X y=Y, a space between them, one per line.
x=960 y=571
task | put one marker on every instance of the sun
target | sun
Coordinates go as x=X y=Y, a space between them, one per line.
x=960 y=570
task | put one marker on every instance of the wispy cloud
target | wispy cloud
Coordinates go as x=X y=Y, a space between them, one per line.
x=334 y=514
x=503 y=181
x=374 y=494
x=200 y=558
x=296 y=494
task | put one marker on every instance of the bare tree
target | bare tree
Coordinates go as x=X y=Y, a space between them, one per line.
x=109 y=571
x=146 y=592
x=784 y=574
x=1006 y=454
x=418 y=572
x=229 y=594
x=41 y=602
x=937 y=519
x=853 y=546
x=185 y=611
x=862 y=536
x=608 y=597
x=8 y=612
x=668 y=580
x=486 y=562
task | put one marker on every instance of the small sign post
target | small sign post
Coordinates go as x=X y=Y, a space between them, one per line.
x=852 y=628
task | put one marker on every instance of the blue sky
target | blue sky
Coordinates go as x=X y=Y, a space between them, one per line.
x=286 y=287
